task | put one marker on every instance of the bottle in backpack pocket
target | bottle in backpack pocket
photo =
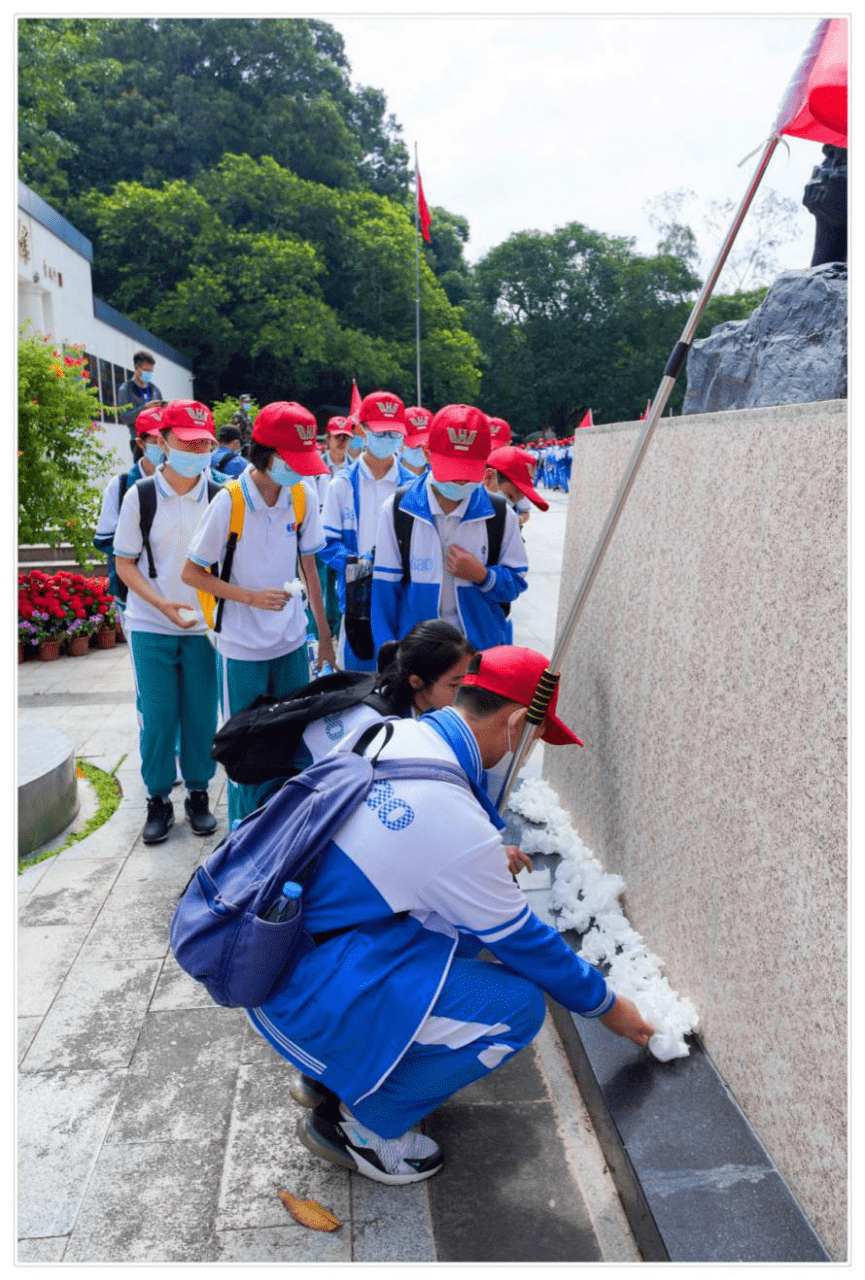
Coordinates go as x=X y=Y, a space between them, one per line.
x=286 y=904
x=358 y=602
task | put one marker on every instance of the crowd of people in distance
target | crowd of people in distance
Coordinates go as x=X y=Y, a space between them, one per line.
x=259 y=562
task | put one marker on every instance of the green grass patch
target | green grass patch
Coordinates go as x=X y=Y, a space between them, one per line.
x=108 y=795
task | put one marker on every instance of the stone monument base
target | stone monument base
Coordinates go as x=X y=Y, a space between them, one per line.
x=47 y=785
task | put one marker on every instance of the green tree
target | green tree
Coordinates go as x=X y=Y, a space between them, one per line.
x=573 y=320
x=59 y=459
x=275 y=283
x=194 y=88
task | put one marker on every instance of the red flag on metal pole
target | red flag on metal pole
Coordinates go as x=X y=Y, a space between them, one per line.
x=423 y=210
x=815 y=104
x=356 y=399
x=587 y=421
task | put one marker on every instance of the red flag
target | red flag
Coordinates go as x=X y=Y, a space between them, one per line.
x=587 y=420
x=648 y=410
x=815 y=104
x=355 y=399
x=423 y=211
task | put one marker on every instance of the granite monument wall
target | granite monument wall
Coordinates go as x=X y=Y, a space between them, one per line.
x=708 y=679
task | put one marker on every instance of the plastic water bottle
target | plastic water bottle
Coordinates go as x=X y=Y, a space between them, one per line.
x=310 y=650
x=326 y=669
x=286 y=904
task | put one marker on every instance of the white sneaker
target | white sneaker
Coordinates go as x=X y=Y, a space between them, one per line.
x=337 y=1136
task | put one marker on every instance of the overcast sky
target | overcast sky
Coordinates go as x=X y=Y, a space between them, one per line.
x=530 y=122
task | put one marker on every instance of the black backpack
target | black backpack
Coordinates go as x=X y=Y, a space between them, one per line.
x=259 y=743
x=402 y=524
x=147 y=510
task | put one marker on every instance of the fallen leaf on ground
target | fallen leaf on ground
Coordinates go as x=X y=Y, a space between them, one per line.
x=309 y=1213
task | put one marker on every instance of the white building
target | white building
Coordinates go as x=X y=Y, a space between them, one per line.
x=55 y=292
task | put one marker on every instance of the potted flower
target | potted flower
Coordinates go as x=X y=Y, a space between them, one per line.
x=27 y=636
x=46 y=634
x=78 y=635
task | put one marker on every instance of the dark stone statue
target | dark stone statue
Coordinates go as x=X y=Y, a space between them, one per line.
x=826 y=197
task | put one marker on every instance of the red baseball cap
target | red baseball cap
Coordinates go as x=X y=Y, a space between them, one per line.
x=417 y=422
x=340 y=427
x=500 y=432
x=519 y=467
x=382 y=411
x=459 y=441
x=291 y=430
x=514 y=672
x=188 y=419
x=150 y=420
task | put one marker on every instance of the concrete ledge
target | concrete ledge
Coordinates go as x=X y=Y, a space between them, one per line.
x=47 y=785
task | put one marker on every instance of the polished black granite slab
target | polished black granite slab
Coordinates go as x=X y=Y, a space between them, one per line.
x=695 y=1181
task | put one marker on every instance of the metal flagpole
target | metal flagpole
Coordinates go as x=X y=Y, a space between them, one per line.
x=549 y=679
x=417 y=268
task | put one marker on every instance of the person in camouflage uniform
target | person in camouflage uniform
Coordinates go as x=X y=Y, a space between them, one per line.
x=242 y=420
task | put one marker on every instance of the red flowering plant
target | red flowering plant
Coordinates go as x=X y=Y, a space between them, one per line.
x=61 y=606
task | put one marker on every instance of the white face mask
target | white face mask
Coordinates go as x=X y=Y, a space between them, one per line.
x=455 y=491
x=188 y=464
x=383 y=444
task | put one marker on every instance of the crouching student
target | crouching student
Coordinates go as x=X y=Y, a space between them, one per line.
x=172 y=658
x=261 y=643
x=392 y=1012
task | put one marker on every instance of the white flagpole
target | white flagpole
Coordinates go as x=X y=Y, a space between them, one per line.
x=417 y=268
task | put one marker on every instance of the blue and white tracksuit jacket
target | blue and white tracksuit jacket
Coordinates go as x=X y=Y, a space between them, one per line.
x=352 y=1008
x=396 y=608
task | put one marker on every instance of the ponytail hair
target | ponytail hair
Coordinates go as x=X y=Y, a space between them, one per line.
x=429 y=650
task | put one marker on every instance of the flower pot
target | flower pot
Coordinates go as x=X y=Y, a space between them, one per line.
x=106 y=639
x=78 y=646
x=49 y=650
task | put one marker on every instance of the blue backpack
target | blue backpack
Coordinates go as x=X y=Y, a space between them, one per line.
x=217 y=933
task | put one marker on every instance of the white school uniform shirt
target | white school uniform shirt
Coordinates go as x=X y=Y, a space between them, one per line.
x=322 y=482
x=266 y=555
x=175 y=521
x=447 y=527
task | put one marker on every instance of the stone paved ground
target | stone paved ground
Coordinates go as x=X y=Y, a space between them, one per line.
x=155 y=1127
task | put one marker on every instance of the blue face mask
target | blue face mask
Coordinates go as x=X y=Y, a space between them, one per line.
x=146 y=375
x=414 y=457
x=383 y=444
x=454 y=491
x=154 y=453
x=282 y=474
x=188 y=465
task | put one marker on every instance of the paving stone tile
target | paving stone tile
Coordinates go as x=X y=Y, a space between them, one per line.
x=46 y=953
x=30 y=877
x=70 y=893
x=172 y=862
x=176 y=990
x=391 y=1224
x=62 y=1119
x=114 y=839
x=96 y=1019
x=263 y=1156
x=27 y=1028
x=133 y=924
x=505 y=1193
x=164 y=1098
x=45 y=1249
x=150 y=1202
x=256 y=1049
x=292 y=1244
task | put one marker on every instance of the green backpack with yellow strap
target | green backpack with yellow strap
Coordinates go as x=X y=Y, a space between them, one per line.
x=210 y=606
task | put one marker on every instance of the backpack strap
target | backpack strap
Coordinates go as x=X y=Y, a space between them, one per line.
x=235 y=531
x=147 y=505
x=496 y=527
x=402 y=527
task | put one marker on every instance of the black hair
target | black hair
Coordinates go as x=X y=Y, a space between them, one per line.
x=479 y=702
x=225 y=434
x=429 y=650
x=260 y=455
x=142 y=357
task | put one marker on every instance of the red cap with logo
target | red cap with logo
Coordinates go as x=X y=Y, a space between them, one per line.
x=417 y=422
x=500 y=432
x=291 y=430
x=514 y=672
x=340 y=427
x=188 y=419
x=519 y=467
x=459 y=441
x=382 y=411
x=150 y=420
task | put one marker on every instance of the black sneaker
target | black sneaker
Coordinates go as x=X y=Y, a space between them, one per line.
x=338 y=1137
x=160 y=819
x=200 y=818
x=308 y=1092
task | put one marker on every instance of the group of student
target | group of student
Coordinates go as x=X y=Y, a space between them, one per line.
x=393 y=1009
x=554 y=459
